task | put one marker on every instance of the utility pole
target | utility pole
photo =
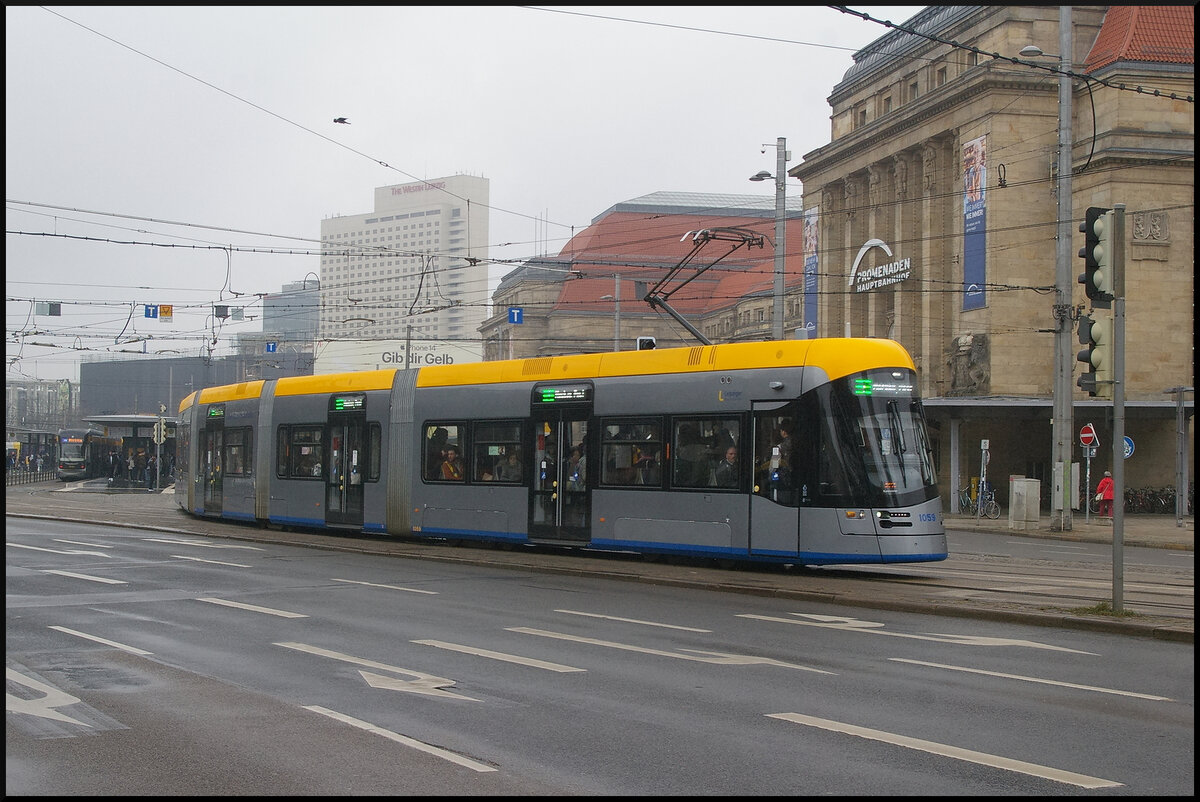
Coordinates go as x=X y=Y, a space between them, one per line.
x=617 y=317
x=780 y=223
x=1064 y=361
x=781 y=158
x=1181 y=463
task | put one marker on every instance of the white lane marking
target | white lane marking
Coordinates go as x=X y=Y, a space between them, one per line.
x=58 y=551
x=389 y=587
x=424 y=683
x=42 y=707
x=873 y=628
x=105 y=641
x=958 y=753
x=1098 y=689
x=89 y=578
x=466 y=762
x=82 y=543
x=717 y=658
x=509 y=658
x=254 y=608
x=210 y=562
x=632 y=621
x=174 y=541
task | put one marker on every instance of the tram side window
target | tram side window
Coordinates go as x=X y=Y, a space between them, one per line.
x=238 y=443
x=701 y=445
x=183 y=447
x=374 y=440
x=443 y=457
x=631 y=452
x=300 y=452
x=496 y=451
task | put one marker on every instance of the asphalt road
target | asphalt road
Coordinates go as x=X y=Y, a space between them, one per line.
x=1051 y=589
x=147 y=661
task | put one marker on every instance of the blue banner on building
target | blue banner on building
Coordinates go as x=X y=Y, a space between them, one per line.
x=975 y=224
x=811 y=235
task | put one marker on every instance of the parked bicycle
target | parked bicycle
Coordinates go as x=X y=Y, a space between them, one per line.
x=1154 y=501
x=988 y=507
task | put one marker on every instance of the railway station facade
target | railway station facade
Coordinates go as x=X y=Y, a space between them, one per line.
x=931 y=218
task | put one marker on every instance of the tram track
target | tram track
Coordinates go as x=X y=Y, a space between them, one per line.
x=1062 y=592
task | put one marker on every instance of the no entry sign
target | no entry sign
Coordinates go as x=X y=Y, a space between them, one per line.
x=1087 y=436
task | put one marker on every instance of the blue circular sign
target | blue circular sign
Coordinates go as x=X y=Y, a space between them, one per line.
x=1128 y=447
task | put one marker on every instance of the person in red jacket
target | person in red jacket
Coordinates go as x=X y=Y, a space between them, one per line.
x=1105 y=491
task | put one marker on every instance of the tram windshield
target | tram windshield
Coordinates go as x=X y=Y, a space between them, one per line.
x=70 y=449
x=875 y=433
x=858 y=441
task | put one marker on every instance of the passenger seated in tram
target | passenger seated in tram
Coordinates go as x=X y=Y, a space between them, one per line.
x=509 y=469
x=452 y=466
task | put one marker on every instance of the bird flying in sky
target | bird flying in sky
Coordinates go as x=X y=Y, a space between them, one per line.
x=341 y=120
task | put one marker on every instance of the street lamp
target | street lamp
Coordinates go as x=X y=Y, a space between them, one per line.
x=781 y=157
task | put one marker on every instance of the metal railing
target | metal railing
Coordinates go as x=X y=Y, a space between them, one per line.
x=20 y=476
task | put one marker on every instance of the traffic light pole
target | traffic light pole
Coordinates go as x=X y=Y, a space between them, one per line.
x=1118 y=455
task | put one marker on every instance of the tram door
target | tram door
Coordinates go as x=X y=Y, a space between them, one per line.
x=774 y=518
x=347 y=460
x=212 y=449
x=560 y=501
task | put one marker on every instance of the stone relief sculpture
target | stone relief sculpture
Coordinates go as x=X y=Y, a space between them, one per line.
x=1152 y=226
x=970 y=365
x=929 y=164
x=901 y=166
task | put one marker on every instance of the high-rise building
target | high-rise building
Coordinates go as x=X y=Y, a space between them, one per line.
x=293 y=312
x=414 y=268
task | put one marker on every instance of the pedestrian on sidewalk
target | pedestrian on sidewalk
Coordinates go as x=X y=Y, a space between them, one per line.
x=1104 y=491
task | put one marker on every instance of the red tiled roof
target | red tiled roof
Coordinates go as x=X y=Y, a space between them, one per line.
x=619 y=241
x=1164 y=34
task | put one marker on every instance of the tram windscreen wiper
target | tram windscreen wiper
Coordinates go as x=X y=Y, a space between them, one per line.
x=901 y=447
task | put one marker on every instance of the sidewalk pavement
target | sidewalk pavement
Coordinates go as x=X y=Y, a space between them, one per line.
x=1153 y=531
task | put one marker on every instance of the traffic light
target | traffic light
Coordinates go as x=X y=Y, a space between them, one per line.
x=645 y=343
x=1097 y=337
x=1097 y=253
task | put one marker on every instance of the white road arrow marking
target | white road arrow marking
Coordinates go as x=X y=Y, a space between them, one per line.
x=715 y=658
x=873 y=628
x=44 y=706
x=424 y=683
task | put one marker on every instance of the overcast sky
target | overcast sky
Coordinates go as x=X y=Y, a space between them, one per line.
x=181 y=129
